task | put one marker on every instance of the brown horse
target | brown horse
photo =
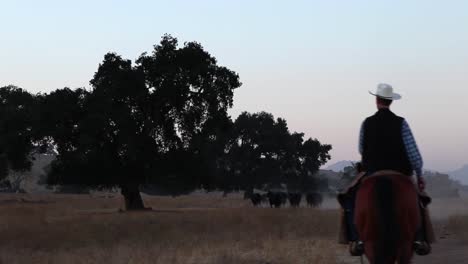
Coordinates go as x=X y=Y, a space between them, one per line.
x=387 y=217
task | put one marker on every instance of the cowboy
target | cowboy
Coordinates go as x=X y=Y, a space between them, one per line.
x=385 y=143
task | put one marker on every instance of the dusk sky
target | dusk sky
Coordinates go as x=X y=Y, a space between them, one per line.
x=310 y=62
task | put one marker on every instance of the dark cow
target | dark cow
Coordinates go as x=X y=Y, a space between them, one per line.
x=256 y=199
x=294 y=199
x=314 y=199
x=284 y=198
x=277 y=199
x=265 y=198
x=247 y=194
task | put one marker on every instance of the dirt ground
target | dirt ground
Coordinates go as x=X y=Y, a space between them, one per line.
x=199 y=228
x=450 y=218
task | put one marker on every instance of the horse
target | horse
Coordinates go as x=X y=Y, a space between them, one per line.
x=387 y=217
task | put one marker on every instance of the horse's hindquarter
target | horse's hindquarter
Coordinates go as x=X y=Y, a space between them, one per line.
x=405 y=202
x=408 y=212
x=403 y=217
x=364 y=211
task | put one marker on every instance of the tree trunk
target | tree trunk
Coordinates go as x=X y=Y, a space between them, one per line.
x=132 y=197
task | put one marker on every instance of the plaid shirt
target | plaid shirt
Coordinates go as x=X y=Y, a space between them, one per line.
x=410 y=145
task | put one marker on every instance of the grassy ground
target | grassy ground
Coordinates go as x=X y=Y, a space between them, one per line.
x=458 y=225
x=201 y=228
x=451 y=216
x=191 y=229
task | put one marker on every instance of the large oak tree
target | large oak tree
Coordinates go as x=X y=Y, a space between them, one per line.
x=157 y=122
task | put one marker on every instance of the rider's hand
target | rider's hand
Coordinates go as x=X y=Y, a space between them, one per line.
x=421 y=183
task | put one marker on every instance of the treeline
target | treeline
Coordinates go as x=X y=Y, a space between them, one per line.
x=162 y=120
x=440 y=185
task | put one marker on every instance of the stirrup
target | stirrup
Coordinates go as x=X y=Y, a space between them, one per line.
x=356 y=248
x=422 y=248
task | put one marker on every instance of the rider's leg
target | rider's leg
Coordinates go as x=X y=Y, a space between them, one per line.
x=420 y=236
x=421 y=243
x=356 y=247
x=349 y=211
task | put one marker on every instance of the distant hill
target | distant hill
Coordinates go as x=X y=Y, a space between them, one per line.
x=340 y=165
x=460 y=175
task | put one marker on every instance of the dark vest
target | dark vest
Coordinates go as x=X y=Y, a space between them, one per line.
x=383 y=147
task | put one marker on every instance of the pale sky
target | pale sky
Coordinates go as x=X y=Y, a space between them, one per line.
x=310 y=62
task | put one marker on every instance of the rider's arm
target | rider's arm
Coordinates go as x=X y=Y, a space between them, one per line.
x=361 y=139
x=412 y=149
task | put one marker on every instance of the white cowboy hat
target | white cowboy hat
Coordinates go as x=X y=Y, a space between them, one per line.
x=385 y=91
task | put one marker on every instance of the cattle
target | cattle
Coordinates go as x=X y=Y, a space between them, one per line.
x=256 y=199
x=314 y=199
x=265 y=198
x=277 y=199
x=294 y=199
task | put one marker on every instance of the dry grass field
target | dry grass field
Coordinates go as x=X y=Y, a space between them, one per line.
x=450 y=216
x=187 y=229
x=458 y=225
x=200 y=228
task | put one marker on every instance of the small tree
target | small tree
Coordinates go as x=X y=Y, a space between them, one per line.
x=349 y=174
x=17 y=119
x=264 y=154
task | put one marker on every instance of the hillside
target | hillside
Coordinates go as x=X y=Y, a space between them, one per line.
x=438 y=185
x=460 y=174
x=339 y=166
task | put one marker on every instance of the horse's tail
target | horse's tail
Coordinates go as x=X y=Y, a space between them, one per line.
x=387 y=224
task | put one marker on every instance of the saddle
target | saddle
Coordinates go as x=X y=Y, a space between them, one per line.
x=361 y=176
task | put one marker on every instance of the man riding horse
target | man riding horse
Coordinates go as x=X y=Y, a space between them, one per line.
x=385 y=143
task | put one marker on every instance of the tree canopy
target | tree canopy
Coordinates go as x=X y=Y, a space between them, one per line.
x=17 y=119
x=162 y=120
x=152 y=122
x=264 y=154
